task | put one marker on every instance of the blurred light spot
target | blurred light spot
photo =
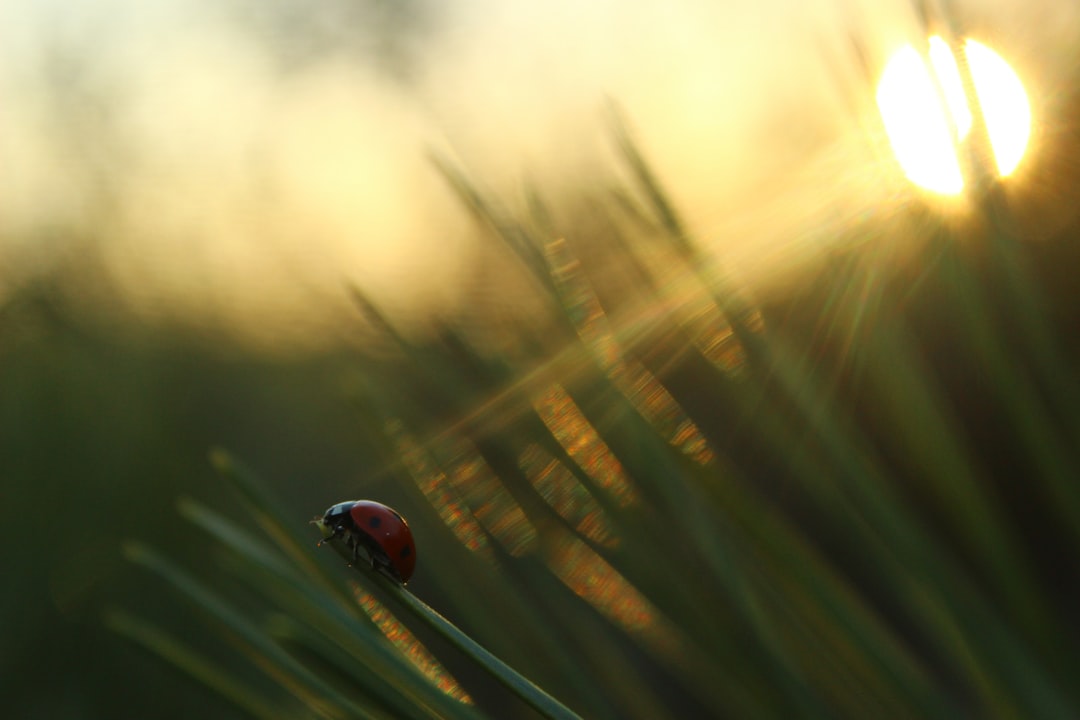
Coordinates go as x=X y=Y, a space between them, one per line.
x=592 y=579
x=570 y=427
x=438 y=490
x=491 y=503
x=657 y=406
x=648 y=396
x=688 y=298
x=582 y=305
x=568 y=497
x=917 y=125
x=952 y=86
x=409 y=645
x=926 y=113
x=715 y=340
x=1005 y=105
x=468 y=495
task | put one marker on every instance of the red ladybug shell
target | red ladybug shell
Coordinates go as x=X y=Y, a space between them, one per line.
x=385 y=527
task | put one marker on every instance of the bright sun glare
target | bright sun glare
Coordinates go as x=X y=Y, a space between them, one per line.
x=926 y=112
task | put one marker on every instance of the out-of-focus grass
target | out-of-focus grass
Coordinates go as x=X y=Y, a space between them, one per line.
x=858 y=501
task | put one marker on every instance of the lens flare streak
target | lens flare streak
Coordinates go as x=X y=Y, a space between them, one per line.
x=647 y=394
x=491 y=503
x=568 y=424
x=713 y=337
x=568 y=497
x=596 y=582
x=409 y=645
x=468 y=495
x=438 y=490
x=687 y=298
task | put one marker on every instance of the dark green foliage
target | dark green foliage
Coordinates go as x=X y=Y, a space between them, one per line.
x=851 y=502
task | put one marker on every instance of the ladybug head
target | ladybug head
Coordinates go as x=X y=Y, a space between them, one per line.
x=336 y=513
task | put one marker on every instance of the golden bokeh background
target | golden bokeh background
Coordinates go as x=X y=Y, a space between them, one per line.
x=233 y=166
x=250 y=223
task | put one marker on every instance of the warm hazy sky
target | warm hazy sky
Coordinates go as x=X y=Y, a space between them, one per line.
x=243 y=163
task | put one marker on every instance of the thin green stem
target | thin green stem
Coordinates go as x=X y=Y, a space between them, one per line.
x=543 y=703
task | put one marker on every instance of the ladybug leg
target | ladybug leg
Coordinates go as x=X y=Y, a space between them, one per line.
x=367 y=551
x=354 y=552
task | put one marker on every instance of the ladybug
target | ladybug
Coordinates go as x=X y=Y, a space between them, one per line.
x=380 y=531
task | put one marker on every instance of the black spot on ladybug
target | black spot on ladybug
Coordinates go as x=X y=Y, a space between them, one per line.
x=405 y=551
x=374 y=522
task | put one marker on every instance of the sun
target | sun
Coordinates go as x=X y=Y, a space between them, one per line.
x=926 y=112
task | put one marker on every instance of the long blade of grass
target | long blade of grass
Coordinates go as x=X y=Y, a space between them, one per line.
x=205 y=671
x=339 y=623
x=521 y=686
x=330 y=703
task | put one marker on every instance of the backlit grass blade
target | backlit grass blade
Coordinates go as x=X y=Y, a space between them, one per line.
x=309 y=687
x=372 y=662
x=215 y=676
x=541 y=701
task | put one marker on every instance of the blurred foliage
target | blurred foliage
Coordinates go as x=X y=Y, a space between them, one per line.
x=100 y=431
x=662 y=498
x=855 y=500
